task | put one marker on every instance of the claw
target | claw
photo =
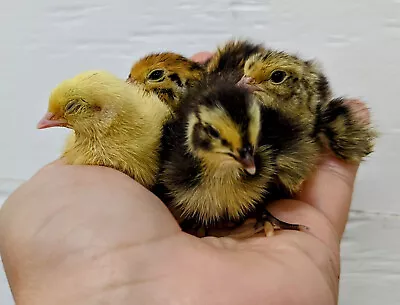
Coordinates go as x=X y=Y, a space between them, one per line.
x=268 y=221
x=269 y=229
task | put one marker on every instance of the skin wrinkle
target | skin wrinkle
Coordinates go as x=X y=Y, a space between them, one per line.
x=331 y=286
x=332 y=168
x=141 y=280
x=280 y=257
x=331 y=231
x=130 y=285
x=117 y=248
x=49 y=219
x=333 y=263
x=273 y=256
x=62 y=241
x=111 y=253
x=334 y=252
x=345 y=174
x=129 y=246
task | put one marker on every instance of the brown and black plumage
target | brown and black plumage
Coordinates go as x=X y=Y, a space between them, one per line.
x=215 y=168
x=300 y=90
x=229 y=58
x=167 y=74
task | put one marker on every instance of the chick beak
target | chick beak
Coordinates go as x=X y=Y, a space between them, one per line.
x=51 y=120
x=247 y=83
x=248 y=164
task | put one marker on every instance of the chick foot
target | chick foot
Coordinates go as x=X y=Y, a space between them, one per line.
x=269 y=223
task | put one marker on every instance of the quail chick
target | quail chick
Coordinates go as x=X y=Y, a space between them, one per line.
x=342 y=126
x=214 y=169
x=301 y=92
x=167 y=74
x=115 y=124
x=229 y=58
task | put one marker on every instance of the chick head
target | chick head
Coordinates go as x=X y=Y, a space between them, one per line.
x=83 y=103
x=278 y=74
x=166 y=74
x=223 y=127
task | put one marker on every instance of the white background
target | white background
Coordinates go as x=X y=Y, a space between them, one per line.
x=358 y=42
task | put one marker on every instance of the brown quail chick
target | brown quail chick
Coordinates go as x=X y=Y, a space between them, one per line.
x=229 y=58
x=215 y=171
x=300 y=91
x=167 y=74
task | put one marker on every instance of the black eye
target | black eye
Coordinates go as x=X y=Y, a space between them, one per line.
x=156 y=75
x=72 y=106
x=278 y=76
x=212 y=131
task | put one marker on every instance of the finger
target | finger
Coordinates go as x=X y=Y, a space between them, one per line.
x=201 y=57
x=359 y=110
x=330 y=190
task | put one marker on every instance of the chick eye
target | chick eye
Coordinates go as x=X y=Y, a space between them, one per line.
x=212 y=131
x=72 y=106
x=278 y=76
x=156 y=75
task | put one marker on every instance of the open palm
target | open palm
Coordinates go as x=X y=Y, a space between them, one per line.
x=91 y=235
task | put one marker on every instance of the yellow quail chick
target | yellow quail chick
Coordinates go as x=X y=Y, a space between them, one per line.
x=167 y=74
x=115 y=124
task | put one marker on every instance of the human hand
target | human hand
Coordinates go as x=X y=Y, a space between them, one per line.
x=90 y=235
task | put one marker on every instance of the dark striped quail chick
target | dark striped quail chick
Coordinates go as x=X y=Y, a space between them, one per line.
x=167 y=74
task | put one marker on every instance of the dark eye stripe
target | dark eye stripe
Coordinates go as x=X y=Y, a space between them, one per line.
x=232 y=155
x=194 y=66
x=251 y=65
x=167 y=92
x=175 y=78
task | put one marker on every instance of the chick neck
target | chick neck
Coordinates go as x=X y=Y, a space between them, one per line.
x=221 y=168
x=301 y=106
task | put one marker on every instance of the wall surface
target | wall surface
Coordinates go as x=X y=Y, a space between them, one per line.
x=358 y=42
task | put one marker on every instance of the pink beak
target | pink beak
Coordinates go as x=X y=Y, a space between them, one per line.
x=50 y=120
x=247 y=83
x=248 y=164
